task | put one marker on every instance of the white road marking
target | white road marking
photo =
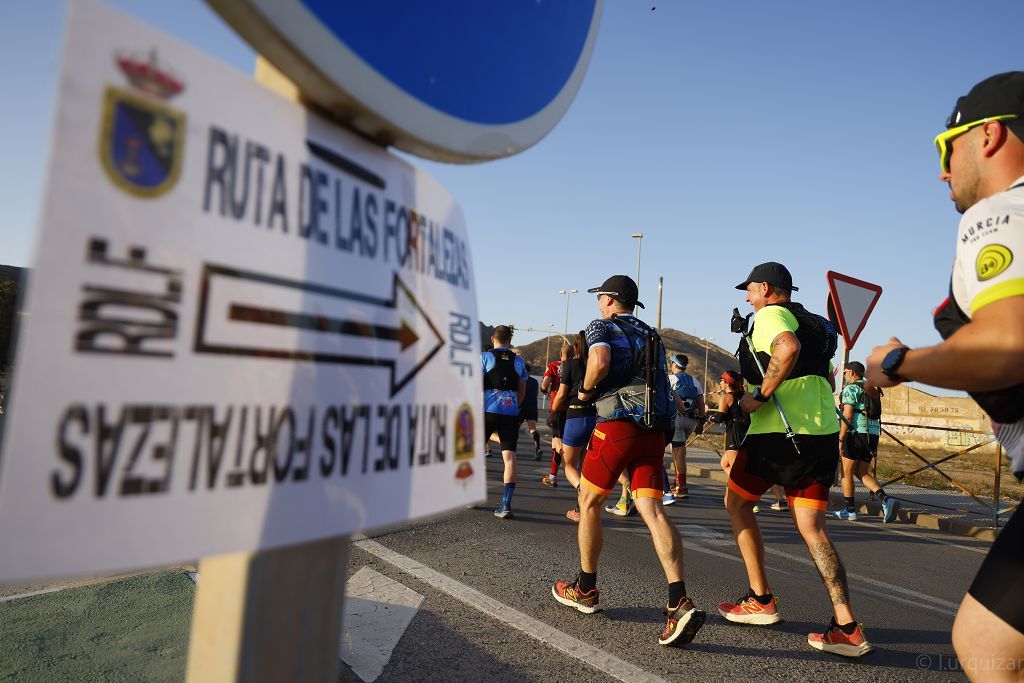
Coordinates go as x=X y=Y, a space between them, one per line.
x=584 y=652
x=915 y=598
x=378 y=610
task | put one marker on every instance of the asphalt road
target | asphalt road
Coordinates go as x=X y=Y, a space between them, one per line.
x=905 y=585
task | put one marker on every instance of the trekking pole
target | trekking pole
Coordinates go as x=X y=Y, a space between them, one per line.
x=742 y=328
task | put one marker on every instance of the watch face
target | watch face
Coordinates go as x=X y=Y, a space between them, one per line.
x=893 y=359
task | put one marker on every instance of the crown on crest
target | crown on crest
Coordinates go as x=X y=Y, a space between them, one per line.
x=148 y=76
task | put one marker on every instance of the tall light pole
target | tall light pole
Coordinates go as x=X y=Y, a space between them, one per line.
x=567 y=293
x=640 y=240
x=707 y=343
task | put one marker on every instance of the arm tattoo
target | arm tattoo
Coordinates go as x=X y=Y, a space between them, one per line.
x=832 y=572
x=773 y=369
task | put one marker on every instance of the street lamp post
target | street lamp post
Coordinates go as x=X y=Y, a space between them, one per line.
x=707 y=343
x=640 y=240
x=567 y=292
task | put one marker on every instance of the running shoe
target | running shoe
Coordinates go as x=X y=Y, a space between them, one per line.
x=849 y=515
x=680 y=491
x=780 y=506
x=668 y=499
x=684 y=620
x=757 y=508
x=503 y=511
x=838 y=643
x=889 y=508
x=550 y=480
x=624 y=508
x=569 y=594
x=747 y=610
x=573 y=515
x=536 y=458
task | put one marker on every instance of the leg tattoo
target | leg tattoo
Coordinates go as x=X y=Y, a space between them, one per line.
x=832 y=571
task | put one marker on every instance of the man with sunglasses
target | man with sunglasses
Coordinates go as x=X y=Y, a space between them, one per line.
x=619 y=444
x=982 y=323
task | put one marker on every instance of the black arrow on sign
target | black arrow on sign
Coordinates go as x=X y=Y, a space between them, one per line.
x=403 y=332
x=320 y=323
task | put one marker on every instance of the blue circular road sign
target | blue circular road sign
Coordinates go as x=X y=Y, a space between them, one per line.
x=453 y=80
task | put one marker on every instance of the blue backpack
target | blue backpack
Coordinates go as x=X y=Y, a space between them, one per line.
x=644 y=397
x=687 y=390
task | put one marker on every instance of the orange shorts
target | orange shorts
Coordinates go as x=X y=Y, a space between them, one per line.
x=808 y=492
x=617 y=447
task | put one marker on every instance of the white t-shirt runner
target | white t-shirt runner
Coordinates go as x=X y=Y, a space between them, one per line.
x=989 y=267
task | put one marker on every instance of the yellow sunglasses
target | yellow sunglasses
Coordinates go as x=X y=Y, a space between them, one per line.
x=944 y=140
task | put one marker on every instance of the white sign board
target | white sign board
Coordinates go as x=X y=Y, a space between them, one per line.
x=853 y=300
x=246 y=327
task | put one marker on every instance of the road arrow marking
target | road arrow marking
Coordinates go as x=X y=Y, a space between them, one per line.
x=243 y=313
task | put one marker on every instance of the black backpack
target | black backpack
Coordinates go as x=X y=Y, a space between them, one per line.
x=503 y=375
x=818 y=343
x=872 y=405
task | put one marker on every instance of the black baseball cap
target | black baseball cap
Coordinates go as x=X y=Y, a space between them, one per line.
x=773 y=273
x=621 y=288
x=997 y=95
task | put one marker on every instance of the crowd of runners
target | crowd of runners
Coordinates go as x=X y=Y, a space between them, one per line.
x=618 y=404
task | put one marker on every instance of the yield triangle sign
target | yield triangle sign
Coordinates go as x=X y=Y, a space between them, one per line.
x=853 y=300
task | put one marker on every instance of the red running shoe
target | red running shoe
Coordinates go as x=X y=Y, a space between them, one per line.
x=683 y=623
x=838 y=643
x=747 y=610
x=573 y=514
x=569 y=594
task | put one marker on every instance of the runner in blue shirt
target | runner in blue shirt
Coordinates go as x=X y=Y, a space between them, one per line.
x=504 y=389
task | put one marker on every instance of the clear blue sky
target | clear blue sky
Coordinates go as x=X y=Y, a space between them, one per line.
x=728 y=133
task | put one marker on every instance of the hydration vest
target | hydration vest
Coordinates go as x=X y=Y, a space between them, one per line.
x=640 y=392
x=503 y=375
x=686 y=389
x=818 y=344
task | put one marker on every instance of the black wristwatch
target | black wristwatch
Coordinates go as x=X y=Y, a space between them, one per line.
x=758 y=396
x=892 y=361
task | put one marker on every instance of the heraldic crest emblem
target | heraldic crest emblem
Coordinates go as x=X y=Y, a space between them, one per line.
x=142 y=140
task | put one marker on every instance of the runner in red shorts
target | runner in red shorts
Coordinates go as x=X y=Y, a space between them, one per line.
x=618 y=444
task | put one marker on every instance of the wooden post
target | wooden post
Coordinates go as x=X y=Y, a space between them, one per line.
x=996 y=485
x=270 y=616
x=274 y=615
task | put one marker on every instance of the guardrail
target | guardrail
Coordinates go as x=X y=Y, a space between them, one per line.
x=988 y=437
x=710 y=437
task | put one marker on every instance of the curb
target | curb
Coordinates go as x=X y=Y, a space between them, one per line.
x=874 y=509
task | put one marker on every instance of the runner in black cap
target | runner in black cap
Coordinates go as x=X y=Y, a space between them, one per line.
x=796 y=348
x=981 y=155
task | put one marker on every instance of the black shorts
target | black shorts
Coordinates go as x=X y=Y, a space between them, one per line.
x=999 y=584
x=528 y=412
x=734 y=434
x=507 y=428
x=558 y=424
x=773 y=458
x=859 y=446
